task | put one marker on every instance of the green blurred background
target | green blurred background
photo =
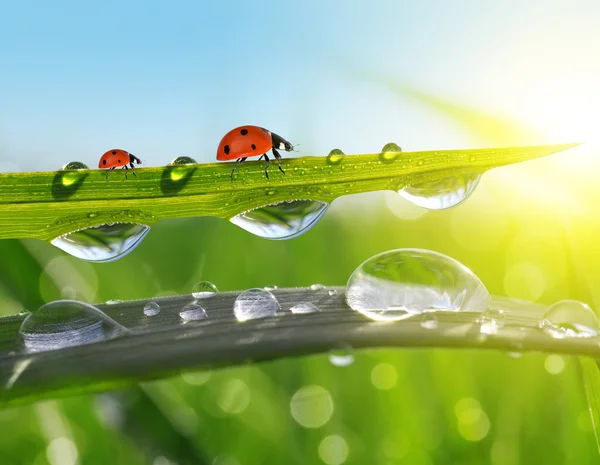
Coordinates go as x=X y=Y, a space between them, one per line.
x=439 y=75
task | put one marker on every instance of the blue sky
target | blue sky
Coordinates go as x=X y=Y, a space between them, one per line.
x=164 y=79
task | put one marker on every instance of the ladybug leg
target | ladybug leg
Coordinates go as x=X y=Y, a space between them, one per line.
x=109 y=170
x=133 y=158
x=239 y=162
x=268 y=164
x=126 y=169
x=278 y=158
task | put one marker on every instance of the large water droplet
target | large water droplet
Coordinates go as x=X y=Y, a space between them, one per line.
x=284 y=220
x=443 y=193
x=304 y=307
x=151 y=309
x=255 y=303
x=66 y=323
x=104 y=243
x=335 y=157
x=193 y=312
x=204 y=290
x=399 y=283
x=390 y=152
x=570 y=318
x=179 y=173
x=492 y=319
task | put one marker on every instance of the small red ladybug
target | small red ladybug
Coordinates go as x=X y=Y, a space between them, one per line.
x=117 y=157
x=251 y=141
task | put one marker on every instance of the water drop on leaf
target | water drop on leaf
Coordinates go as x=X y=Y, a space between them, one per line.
x=204 y=290
x=570 y=318
x=255 y=303
x=66 y=323
x=151 y=309
x=399 y=283
x=335 y=157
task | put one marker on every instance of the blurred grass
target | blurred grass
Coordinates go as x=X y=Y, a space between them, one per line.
x=512 y=240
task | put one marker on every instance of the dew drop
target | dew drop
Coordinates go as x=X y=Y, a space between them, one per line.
x=73 y=176
x=304 y=307
x=390 y=152
x=270 y=287
x=332 y=292
x=151 y=309
x=284 y=220
x=429 y=320
x=335 y=157
x=255 y=303
x=104 y=243
x=66 y=323
x=492 y=319
x=399 y=283
x=341 y=357
x=204 y=290
x=192 y=312
x=570 y=318
x=316 y=287
x=183 y=161
x=113 y=301
x=443 y=193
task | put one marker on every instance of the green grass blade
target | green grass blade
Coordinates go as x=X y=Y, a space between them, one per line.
x=591 y=381
x=45 y=205
x=163 y=345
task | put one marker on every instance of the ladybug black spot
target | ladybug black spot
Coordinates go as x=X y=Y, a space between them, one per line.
x=226 y=149
x=253 y=147
x=118 y=161
x=114 y=152
x=104 y=162
x=243 y=132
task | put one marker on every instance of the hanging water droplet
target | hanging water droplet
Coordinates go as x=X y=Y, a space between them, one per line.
x=304 y=307
x=335 y=157
x=270 y=287
x=390 y=152
x=429 y=320
x=255 y=303
x=443 y=193
x=104 y=243
x=151 y=309
x=193 y=312
x=492 y=319
x=341 y=357
x=66 y=323
x=316 y=287
x=284 y=220
x=399 y=283
x=570 y=318
x=204 y=290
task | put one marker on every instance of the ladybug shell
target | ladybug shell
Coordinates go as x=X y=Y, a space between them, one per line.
x=114 y=158
x=245 y=141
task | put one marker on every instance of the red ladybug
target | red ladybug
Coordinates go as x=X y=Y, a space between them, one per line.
x=251 y=141
x=117 y=157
